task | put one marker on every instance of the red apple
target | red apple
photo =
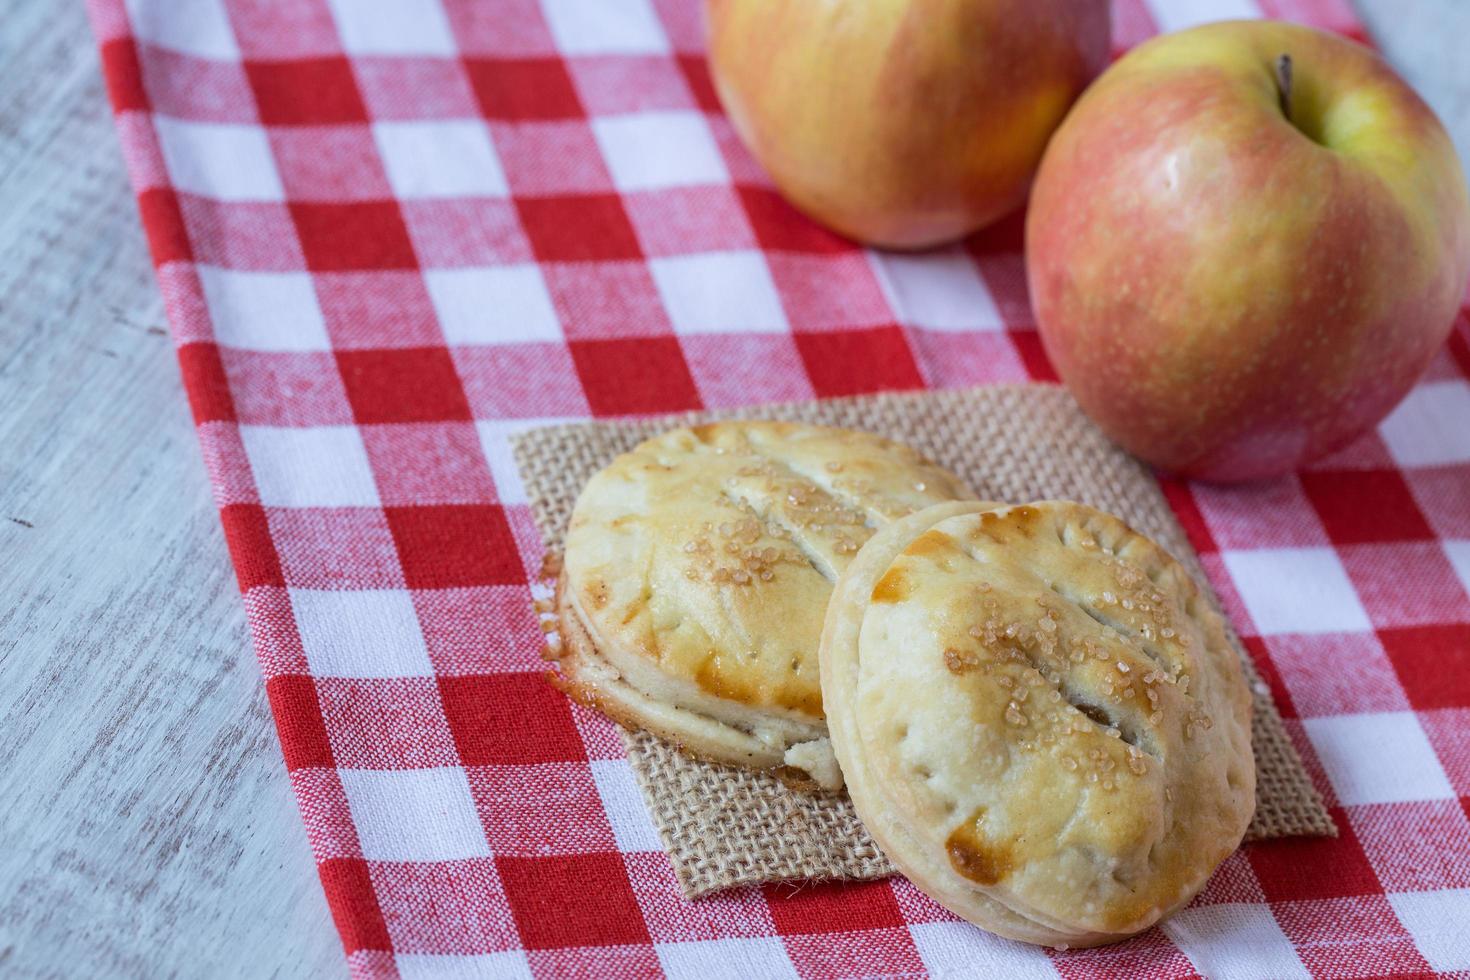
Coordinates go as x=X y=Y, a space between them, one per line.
x=1235 y=273
x=902 y=123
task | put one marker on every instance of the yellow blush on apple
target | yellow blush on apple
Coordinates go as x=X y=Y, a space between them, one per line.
x=1235 y=274
x=902 y=123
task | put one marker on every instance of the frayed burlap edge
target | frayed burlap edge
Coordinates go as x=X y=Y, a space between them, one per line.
x=724 y=826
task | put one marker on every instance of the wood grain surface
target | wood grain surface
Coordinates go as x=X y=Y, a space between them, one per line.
x=147 y=828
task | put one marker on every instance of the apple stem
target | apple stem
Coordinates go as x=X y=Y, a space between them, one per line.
x=1283 y=83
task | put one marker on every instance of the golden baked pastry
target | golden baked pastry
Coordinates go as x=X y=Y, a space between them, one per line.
x=1040 y=719
x=697 y=571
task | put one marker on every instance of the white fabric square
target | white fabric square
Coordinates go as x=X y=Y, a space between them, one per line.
x=651 y=150
x=508 y=965
x=1176 y=15
x=938 y=290
x=605 y=26
x=506 y=304
x=414 y=814
x=726 y=959
x=264 y=311
x=224 y=161
x=719 y=292
x=495 y=443
x=1431 y=427
x=321 y=466
x=1235 y=942
x=621 y=798
x=393 y=27
x=960 y=950
x=447 y=158
x=1437 y=920
x=197 y=27
x=373 y=633
x=1297 y=590
x=1378 y=758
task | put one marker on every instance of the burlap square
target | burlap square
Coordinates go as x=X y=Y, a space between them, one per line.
x=724 y=827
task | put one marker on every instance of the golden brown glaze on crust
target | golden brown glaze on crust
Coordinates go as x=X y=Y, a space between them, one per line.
x=697 y=571
x=1046 y=728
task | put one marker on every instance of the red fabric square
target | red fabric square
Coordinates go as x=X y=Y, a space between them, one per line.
x=446 y=546
x=124 y=75
x=1432 y=662
x=286 y=388
x=305 y=92
x=1440 y=491
x=354 y=904
x=829 y=292
x=1260 y=514
x=540 y=890
x=1420 y=846
x=415 y=384
x=249 y=235
x=1186 y=508
x=326 y=813
x=735 y=913
x=1406 y=583
x=506 y=27
x=465 y=231
x=480 y=630
x=523 y=89
x=1256 y=647
x=377 y=309
x=299 y=722
x=631 y=377
x=1033 y=355
x=205 y=382
x=1448 y=730
x=415 y=89
x=547 y=159
x=329 y=163
x=199 y=89
x=1314 y=867
x=613 y=84
x=578 y=228
x=1360 y=506
x=742 y=369
x=273 y=630
x=958 y=360
x=1334 y=673
x=696 y=74
x=386 y=723
x=567 y=817
x=780 y=227
x=1150 y=955
x=601 y=300
x=429 y=463
x=446 y=907
x=163 y=222
x=856 y=362
x=359 y=235
x=335 y=548
x=832 y=906
x=875 y=953
x=509 y=720
x=273 y=30
x=520 y=381
x=1352 y=937
x=681 y=220
x=249 y=539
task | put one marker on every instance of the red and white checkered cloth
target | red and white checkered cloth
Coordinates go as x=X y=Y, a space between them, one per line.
x=391 y=232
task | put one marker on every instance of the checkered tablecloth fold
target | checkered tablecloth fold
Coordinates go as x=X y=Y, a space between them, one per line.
x=389 y=235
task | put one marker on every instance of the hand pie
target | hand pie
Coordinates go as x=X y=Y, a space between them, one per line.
x=697 y=571
x=1040 y=719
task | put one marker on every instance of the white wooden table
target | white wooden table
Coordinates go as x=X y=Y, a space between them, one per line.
x=147 y=827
